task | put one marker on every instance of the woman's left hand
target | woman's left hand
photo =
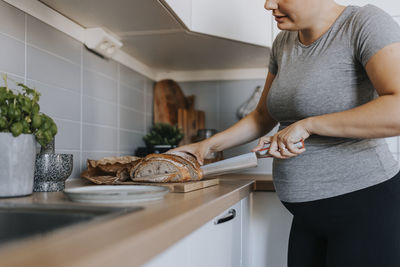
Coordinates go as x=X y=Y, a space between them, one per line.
x=283 y=142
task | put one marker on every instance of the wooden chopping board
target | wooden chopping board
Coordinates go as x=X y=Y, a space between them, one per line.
x=190 y=120
x=179 y=187
x=168 y=98
x=171 y=106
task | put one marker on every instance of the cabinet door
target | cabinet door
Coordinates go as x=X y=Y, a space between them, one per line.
x=245 y=21
x=222 y=244
x=270 y=225
x=177 y=256
x=390 y=6
x=246 y=207
x=218 y=244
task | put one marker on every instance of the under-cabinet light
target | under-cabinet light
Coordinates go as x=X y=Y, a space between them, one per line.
x=102 y=42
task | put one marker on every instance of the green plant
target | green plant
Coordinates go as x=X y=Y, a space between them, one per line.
x=20 y=113
x=163 y=134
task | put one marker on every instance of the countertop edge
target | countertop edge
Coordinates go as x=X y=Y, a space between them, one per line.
x=59 y=248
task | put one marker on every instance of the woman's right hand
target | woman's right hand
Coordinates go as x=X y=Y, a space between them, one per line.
x=199 y=150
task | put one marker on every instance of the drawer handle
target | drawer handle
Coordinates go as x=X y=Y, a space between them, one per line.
x=231 y=215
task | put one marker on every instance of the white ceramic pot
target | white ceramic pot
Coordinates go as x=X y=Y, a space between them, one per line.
x=17 y=164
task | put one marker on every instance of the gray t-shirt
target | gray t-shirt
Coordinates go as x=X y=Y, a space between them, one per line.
x=325 y=77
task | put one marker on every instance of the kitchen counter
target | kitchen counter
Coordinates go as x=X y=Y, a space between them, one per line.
x=262 y=182
x=130 y=239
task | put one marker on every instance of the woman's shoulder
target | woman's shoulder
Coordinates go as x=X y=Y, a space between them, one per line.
x=369 y=13
x=371 y=30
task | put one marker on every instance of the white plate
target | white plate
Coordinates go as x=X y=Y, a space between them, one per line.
x=116 y=193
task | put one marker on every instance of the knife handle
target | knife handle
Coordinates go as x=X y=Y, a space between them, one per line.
x=263 y=152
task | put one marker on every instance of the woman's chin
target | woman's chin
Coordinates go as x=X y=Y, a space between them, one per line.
x=286 y=27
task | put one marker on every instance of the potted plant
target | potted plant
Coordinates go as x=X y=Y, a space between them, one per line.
x=21 y=126
x=161 y=138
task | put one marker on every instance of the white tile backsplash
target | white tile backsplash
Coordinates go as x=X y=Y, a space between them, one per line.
x=149 y=104
x=98 y=138
x=53 y=70
x=206 y=99
x=50 y=39
x=99 y=86
x=12 y=55
x=80 y=90
x=132 y=98
x=68 y=136
x=99 y=112
x=97 y=64
x=132 y=120
x=12 y=21
x=129 y=141
x=132 y=79
x=57 y=102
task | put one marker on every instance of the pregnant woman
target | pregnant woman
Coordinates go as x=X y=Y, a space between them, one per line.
x=334 y=82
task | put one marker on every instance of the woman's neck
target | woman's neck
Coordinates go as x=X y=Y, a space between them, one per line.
x=321 y=24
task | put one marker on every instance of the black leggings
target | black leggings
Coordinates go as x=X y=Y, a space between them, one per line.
x=358 y=229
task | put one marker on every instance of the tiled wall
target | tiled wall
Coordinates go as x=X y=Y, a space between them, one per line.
x=220 y=100
x=101 y=107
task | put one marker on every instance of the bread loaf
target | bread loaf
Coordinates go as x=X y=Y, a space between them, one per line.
x=156 y=168
x=184 y=167
x=190 y=162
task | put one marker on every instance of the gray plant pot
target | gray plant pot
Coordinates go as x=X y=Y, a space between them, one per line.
x=17 y=164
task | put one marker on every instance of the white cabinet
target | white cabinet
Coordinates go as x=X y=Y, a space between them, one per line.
x=390 y=6
x=223 y=244
x=245 y=21
x=270 y=224
x=218 y=244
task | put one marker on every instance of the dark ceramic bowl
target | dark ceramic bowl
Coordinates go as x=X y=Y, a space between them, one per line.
x=51 y=171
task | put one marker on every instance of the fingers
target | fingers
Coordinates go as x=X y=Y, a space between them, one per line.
x=194 y=149
x=261 y=143
x=283 y=149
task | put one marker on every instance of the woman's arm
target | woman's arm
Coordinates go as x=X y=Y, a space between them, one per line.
x=378 y=118
x=257 y=123
x=254 y=125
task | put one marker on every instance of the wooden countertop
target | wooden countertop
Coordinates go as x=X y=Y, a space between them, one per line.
x=130 y=239
x=263 y=182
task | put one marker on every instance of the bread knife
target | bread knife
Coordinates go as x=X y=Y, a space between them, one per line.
x=238 y=163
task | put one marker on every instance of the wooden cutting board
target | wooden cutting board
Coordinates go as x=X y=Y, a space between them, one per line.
x=190 y=121
x=168 y=98
x=181 y=187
